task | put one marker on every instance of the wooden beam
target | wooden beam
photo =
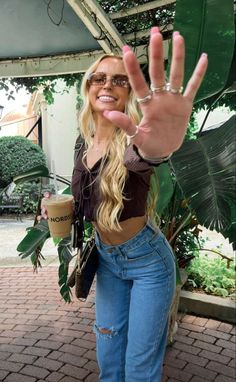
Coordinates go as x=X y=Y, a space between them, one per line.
x=48 y=66
x=105 y=23
x=98 y=23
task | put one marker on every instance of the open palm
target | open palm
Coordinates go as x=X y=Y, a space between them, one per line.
x=165 y=113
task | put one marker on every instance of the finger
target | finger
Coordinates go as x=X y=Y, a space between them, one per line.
x=136 y=77
x=195 y=81
x=177 y=62
x=45 y=216
x=47 y=194
x=121 y=120
x=44 y=212
x=156 y=58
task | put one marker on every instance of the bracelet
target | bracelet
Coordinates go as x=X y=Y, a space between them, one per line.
x=156 y=160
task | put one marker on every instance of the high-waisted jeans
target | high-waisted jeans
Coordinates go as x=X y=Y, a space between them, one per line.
x=134 y=291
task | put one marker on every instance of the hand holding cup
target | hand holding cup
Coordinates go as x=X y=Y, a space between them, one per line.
x=58 y=209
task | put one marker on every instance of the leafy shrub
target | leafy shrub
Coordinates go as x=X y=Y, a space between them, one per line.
x=17 y=155
x=211 y=275
x=186 y=247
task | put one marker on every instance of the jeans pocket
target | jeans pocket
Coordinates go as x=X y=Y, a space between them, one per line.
x=170 y=248
x=163 y=248
x=143 y=252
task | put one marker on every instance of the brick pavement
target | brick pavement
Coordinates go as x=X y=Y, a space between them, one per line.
x=44 y=339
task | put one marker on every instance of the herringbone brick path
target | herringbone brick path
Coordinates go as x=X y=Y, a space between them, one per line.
x=44 y=339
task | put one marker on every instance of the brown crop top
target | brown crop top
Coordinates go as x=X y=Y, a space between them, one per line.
x=85 y=185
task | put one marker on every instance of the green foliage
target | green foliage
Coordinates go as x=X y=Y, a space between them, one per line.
x=65 y=256
x=17 y=155
x=212 y=275
x=193 y=128
x=186 y=246
x=33 y=242
x=205 y=172
x=204 y=31
x=46 y=83
x=32 y=191
x=31 y=246
x=162 y=17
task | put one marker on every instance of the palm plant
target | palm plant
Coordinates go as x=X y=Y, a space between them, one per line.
x=197 y=186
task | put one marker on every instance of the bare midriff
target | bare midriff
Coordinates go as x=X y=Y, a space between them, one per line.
x=130 y=228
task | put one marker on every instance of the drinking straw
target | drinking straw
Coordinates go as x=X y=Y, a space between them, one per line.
x=54 y=177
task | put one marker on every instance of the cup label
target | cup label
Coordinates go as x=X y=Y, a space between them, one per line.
x=60 y=218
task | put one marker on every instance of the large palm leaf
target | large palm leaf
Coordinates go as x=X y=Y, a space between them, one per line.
x=207 y=26
x=205 y=170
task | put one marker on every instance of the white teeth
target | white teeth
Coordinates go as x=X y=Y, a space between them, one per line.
x=106 y=98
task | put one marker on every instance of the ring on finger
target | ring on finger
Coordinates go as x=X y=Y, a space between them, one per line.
x=135 y=133
x=145 y=99
x=159 y=89
x=170 y=89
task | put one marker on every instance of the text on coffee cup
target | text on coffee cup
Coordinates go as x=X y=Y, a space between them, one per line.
x=60 y=219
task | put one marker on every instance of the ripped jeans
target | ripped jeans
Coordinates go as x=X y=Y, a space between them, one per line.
x=134 y=291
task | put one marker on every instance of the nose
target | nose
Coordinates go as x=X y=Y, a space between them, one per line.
x=108 y=83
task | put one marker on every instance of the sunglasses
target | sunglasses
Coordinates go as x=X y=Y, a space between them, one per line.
x=100 y=79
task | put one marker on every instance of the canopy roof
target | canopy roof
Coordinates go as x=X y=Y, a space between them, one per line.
x=45 y=37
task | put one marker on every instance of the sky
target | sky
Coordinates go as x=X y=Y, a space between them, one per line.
x=21 y=98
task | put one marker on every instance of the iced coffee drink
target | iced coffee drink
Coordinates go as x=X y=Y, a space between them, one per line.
x=60 y=212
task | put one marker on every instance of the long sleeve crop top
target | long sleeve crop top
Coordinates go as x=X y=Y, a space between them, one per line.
x=86 y=190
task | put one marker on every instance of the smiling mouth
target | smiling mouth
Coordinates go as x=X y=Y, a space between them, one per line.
x=105 y=98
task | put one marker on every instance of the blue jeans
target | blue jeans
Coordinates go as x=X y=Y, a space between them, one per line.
x=134 y=291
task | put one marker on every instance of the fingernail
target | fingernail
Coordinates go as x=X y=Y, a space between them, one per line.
x=176 y=33
x=204 y=55
x=155 y=30
x=126 y=49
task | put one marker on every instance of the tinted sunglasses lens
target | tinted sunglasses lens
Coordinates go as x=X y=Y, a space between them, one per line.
x=97 y=79
x=121 y=81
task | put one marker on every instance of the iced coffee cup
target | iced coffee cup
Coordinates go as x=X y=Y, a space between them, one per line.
x=60 y=211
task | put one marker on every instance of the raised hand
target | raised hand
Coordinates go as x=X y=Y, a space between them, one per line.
x=166 y=111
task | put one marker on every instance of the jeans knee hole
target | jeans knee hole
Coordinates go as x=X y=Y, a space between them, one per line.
x=104 y=331
x=108 y=333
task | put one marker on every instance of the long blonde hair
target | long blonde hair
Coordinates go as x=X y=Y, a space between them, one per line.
x=113 y=175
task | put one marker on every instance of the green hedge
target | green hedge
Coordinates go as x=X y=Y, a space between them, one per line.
x=17 y=155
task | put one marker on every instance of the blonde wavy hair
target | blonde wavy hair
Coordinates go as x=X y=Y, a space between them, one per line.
x=112 y=175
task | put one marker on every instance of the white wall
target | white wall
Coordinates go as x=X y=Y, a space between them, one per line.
x=8 y=130
x=60 y=130
x=221 y=114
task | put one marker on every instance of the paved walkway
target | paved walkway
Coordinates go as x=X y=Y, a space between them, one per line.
x=44 y=339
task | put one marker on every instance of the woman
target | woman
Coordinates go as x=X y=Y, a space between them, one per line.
x=136 y=275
